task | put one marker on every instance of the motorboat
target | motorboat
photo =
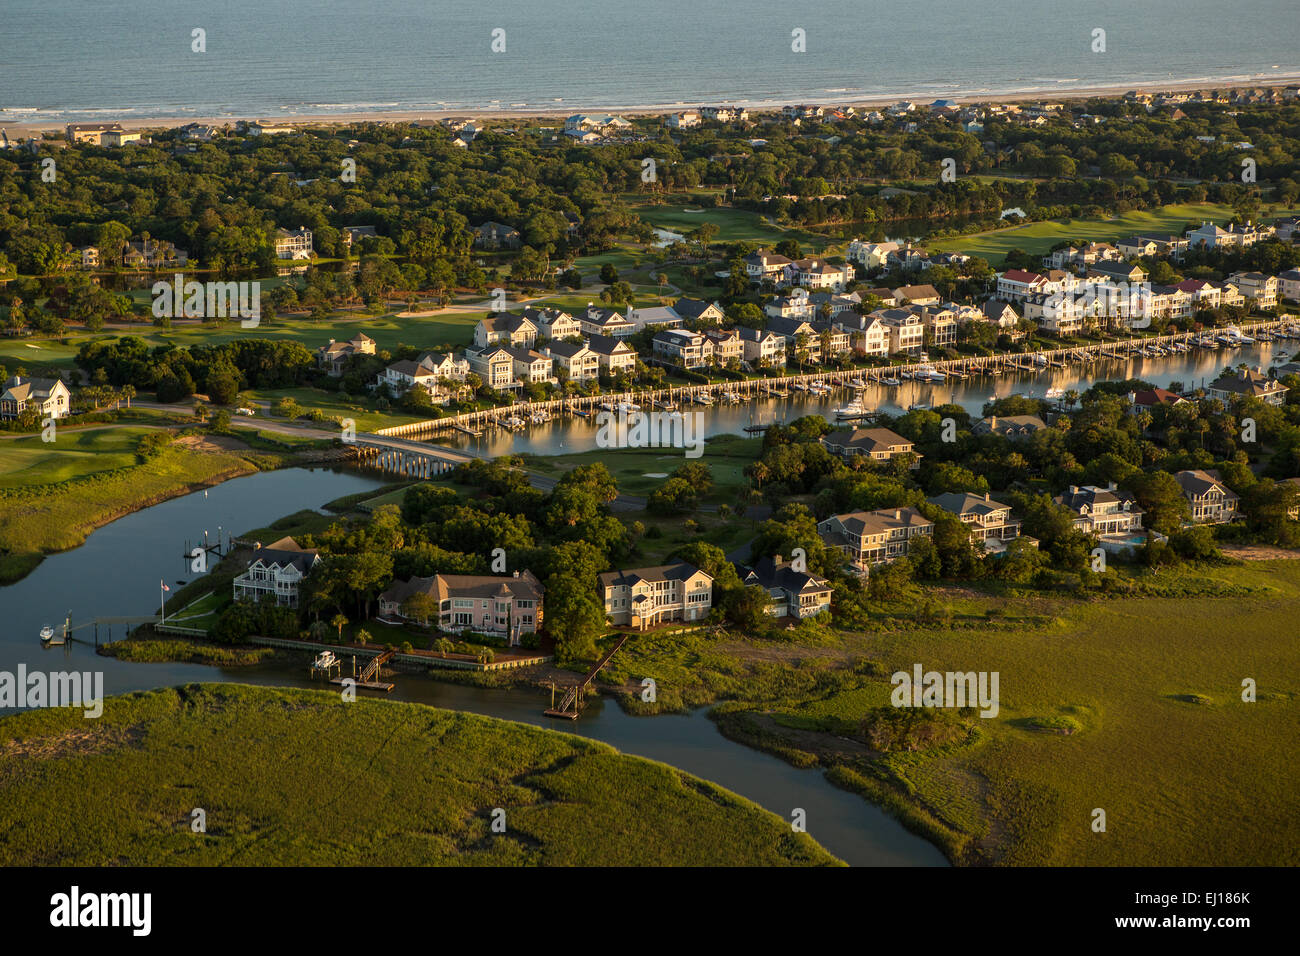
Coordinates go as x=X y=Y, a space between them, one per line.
x=853 y=409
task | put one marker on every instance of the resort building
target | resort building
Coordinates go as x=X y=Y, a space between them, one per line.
x=645 y=597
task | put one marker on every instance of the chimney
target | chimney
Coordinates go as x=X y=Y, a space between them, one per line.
x=986 y=496
x=1110 y=486
x=898 y=514
x=777 y=559
x=1074 y=489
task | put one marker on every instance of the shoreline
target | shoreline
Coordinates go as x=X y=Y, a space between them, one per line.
x=14 y=123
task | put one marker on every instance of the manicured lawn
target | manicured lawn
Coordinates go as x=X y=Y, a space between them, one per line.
x=1038 y=237
x=639 y=471
x=26 y=460
x=734 y=225
x=303 y=778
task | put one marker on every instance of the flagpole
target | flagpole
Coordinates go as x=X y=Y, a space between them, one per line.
x=162 y=604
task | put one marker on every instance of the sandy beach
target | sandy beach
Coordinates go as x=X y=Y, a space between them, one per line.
x=16 y=128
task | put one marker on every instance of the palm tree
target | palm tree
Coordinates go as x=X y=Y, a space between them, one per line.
x=128 y=393
x=339 y=621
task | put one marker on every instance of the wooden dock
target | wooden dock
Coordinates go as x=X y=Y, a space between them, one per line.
x=571 y=704
x=369 y=676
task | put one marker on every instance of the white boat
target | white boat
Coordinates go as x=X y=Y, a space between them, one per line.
x=891 y=380
x=325 y=660
x=852 y=410
x=1040 y=360
x=703 y=400
x=47 y=633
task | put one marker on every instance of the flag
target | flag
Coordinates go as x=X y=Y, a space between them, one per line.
x=163 y=586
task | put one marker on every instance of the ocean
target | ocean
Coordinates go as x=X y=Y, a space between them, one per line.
x=82 y=60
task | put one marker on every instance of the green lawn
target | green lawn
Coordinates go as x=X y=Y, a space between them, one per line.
x=682 y=214
x=26 y=460
x=302 y=778
x=1038 y=237
x=639 y=471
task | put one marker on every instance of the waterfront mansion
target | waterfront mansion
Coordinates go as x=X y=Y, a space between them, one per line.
x=502 y=605
x=276 y=573
x=878 y=444
x=873 y=537
x=644 y=597
x=1102 y=511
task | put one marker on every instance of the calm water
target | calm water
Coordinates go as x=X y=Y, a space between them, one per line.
x=568 y=435
x=69 y=59
x=116 y=572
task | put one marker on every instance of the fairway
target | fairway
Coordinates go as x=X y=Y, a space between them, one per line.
x=1038 y=238
x=301 y=778
x=29 y=460
x=734 y=225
